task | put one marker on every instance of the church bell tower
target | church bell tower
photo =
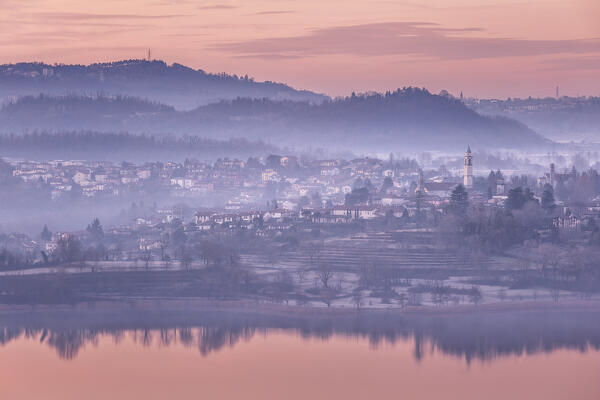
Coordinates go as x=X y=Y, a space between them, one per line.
x=468 y=172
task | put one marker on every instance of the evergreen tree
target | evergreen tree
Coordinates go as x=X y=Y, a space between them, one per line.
x=357 y=196
x=419 y=198
x=516 y=198
x=548 y=203
x=95 y=229
x=46 y=234
x=491 y=182
x=179 y=236
x=358 y=183
x=459 y=201
x=369 y=185
x=387 y=183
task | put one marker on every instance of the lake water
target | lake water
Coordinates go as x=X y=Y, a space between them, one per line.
x=207 y=363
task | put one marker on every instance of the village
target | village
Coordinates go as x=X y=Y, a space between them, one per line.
x=277 y=194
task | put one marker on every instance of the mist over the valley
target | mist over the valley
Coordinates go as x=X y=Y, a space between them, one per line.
x=252 y=191
x=303 y=201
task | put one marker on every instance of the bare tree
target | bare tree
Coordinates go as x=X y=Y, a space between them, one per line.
x=146 y=257
x=555 y=293
x=475 y=295
x=301 y=275
x=163 y=247
x=325 y=275
x=357 y=299
x=167 y=262
x=68 y=249
x=186 y=258
x=402 y=298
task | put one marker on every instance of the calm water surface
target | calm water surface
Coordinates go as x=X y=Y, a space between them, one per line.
x=280 y=364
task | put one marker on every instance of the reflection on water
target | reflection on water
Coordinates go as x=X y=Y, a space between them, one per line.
x=474 y=335
x=175 y=354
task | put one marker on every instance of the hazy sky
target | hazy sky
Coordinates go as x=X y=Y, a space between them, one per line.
x=483 y=47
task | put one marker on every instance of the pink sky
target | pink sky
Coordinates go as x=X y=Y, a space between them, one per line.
x=486 y=48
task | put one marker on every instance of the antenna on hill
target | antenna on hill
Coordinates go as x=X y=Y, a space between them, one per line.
x=557 y=92
x=149 y=55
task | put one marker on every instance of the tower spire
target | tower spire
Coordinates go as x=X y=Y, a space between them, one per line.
x=468 y=171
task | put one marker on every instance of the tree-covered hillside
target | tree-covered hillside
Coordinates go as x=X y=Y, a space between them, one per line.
x=176 y=84
x=408 y=118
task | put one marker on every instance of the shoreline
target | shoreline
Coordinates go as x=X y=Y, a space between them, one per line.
x=266 y=308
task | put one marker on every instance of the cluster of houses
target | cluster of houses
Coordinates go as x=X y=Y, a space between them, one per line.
x=70 y=177
x=578 y=217
x=272 y=194
x=246 y=184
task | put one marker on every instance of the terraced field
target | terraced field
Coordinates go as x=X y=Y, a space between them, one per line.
x=398 y=250
x=411 y=262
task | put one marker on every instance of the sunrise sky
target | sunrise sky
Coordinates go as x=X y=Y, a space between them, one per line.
x=486 y=48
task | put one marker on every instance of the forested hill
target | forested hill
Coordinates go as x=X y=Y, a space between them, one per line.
x=176 y=85
x=75 y=113
x=124 y=146
x=408 y=118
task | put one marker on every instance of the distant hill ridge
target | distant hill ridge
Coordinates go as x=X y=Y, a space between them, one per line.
x=409 y=118
x=176 y=84
x=562 y=119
